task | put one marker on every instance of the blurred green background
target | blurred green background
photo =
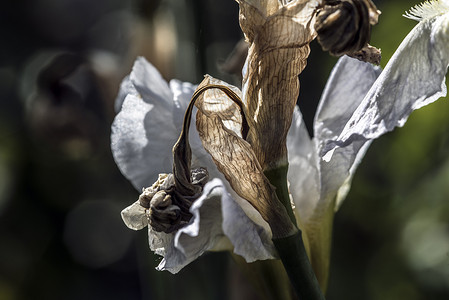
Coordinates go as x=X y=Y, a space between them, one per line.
x=61 y=236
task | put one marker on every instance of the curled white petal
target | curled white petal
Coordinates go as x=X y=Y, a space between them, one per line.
x=149 y=82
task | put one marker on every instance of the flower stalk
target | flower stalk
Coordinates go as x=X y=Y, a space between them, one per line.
x=296 y=262
x=292 y=249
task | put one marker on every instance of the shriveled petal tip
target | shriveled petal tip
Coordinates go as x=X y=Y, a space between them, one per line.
x=413 y=78
x=215 y=216
x=214 y=101
x=135 y=216
x=272 y=24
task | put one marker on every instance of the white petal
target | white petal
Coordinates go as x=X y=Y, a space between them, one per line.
x=182 y=92
x=414 y=77
x=141 y=141
x=203 y=232
x=303 y=174
x=149 y=124
x=310 y=179
x=149 y=82
x=215 y=214
x=251 y=241
x=126 y=87
x=348 y=83
x=346 y=87
x=337 y=173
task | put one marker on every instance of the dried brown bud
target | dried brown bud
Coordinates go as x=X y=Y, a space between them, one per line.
x=164 y=216
x=344 y=27
x=168 y=208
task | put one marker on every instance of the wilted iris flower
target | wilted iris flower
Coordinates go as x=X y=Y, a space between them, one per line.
x=224 y=212
x=148 y=125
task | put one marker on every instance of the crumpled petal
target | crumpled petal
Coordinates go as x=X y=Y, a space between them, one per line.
x=413 y=78
x=214 y=208
x=148 y=125
x=219 y=102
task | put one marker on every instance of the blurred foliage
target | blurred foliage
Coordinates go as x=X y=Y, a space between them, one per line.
x=61 y=194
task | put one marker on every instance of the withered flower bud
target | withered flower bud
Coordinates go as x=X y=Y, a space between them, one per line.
x=344 y=27
x=164 y=216
x=168 y=208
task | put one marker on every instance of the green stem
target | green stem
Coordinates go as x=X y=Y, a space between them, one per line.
x=294 y=257
x=278 y=178
x=291 y=249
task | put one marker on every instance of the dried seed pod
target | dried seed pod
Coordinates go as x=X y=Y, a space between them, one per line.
x=343 y=27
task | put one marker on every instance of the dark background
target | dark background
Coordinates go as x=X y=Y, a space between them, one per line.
x=61 y=236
